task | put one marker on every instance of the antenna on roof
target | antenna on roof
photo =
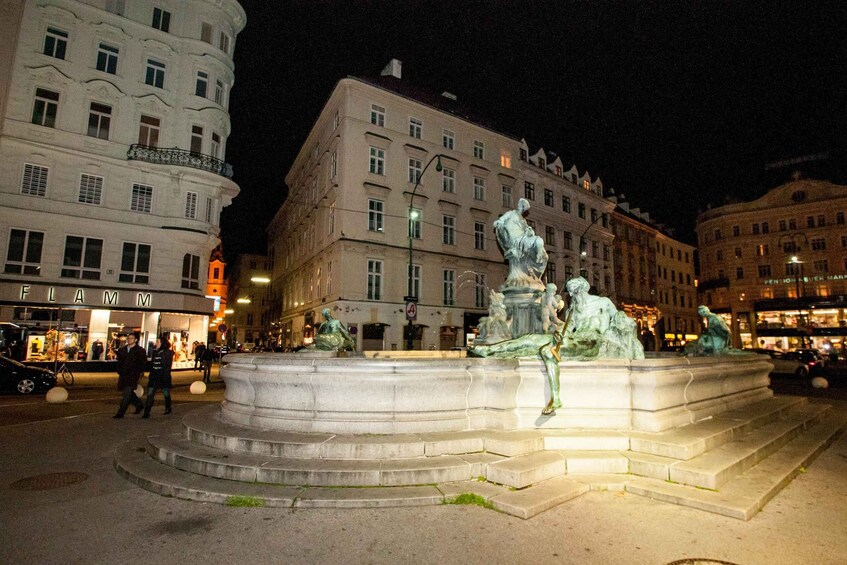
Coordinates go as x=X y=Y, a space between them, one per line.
x=394 y=68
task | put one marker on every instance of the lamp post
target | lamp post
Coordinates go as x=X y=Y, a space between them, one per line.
x=583 y=248
x=413 y=216
x=266 y=314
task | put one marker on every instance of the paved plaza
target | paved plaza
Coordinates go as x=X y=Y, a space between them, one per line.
x=106 y=519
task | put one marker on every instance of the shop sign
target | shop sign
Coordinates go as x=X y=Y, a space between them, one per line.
x=87 y=296
x=816 y=278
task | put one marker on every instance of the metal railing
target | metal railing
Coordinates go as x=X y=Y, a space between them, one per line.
x=179 y=157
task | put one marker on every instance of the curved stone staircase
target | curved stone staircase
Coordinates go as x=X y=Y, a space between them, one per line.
x=731 y=464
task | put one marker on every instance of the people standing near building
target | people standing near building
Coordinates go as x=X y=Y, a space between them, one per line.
x=131 y=362
x=208 y=359
x=199 y=350
x=160 y=376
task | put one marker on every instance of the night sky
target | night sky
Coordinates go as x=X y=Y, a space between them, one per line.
x=675 y=104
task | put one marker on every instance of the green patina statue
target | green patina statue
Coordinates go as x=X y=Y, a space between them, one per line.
x=714 y=340
x=332 y=335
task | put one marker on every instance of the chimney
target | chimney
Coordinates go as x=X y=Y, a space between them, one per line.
x=394 y=68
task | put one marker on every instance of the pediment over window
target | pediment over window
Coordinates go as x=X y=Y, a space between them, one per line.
x=156 y=46
x=108 y=31
x=103 y=89
x=58 y=15
x=49 y=74
x=153 y=103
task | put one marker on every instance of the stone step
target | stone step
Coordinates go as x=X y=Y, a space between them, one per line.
x=743 y=496
x=183 y=454
x=715 y=467
x=687 y=442
x=524 y=470
x=528 y=502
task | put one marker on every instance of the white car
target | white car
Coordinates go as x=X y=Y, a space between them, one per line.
x=785 y=363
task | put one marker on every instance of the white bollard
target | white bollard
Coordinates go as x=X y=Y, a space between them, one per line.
x=139 y=391
x=57 y=395
x=820 y=382
x=198 y=387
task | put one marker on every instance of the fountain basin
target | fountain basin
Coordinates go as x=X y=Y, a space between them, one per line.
x=385 y=394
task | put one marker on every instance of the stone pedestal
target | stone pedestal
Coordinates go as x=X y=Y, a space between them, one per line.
x=524 y=308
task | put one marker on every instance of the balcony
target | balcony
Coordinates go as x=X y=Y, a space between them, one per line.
x=180 y=158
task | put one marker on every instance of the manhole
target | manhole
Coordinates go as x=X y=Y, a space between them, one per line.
x=49 y=481
x=701 y=561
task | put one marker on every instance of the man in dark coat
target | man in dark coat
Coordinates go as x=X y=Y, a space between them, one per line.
x=131 y=362
x=160 y=375
x=199 y=350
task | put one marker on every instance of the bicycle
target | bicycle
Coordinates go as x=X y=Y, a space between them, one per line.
x=66 y=374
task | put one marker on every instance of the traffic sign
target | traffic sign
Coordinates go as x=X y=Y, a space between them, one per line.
x=411 y=310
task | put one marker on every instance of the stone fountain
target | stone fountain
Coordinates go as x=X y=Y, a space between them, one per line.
x=544 y=409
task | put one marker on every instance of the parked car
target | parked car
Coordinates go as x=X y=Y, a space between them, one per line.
x=812 y=357
x=785 y=363
x=17 y=377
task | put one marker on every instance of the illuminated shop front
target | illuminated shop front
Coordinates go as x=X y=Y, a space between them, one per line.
x=64 y=323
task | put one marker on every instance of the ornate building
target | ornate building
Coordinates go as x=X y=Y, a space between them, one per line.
x=112 y=170
x=776 y=267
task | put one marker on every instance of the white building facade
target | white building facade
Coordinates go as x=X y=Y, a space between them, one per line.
x=112 y=169
x=342 y=238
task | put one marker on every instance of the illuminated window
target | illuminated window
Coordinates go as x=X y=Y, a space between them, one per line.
x=505 y=159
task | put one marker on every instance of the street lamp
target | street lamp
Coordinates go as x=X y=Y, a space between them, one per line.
x=266 y=313
x=413 y=217
x=583 y=247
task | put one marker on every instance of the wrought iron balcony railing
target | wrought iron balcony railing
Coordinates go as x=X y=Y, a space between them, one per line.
x=179 y=157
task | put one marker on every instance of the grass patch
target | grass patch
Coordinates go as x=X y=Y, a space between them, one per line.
x=245 y=502
x=470 y=498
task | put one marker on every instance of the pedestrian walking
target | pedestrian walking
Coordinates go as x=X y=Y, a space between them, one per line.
x=131 y=362
x=160 y=376
x=199 y=350
x=208 y=359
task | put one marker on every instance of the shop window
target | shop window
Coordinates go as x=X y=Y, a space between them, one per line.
x=191 y=271
x=23 y=256
x=135 y=263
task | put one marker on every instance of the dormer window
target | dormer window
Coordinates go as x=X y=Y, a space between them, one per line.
x=586 y=184
x=558 y=171
x=798 y=196
x=542 y=163
x=522 y=154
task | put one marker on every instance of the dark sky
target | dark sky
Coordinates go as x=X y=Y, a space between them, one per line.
x=676 y=104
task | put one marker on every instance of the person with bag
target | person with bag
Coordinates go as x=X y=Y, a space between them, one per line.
x=160 y=375
x=208 y=359
x=131 y=362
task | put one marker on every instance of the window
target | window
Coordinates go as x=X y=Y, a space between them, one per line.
x=607 y=254
x=448 y=230
x=377 y=115
x=792 y=269
x=818 y=244
x=377 y=161
x=55 y=43
x=23 y=257
x=336 y=120
x=116 y=6
x=135 y=263
x=765 y=227
x=755 y=229
x=594 y=215
x=528 y=190
x=736 y=231
x=479 y=290
x=201 y=85
x=45 y=107
x=375 y=215
x=161 y=19
x=782 y=226
x=821 y=220
x=738 y=253
x=216 y=145
x=478 y=149
x=374 y=279
x=449 y=287
x=90 y=189
x=448 y=180
x=142 y=198
x=210 y=209
x=191 y=271
x=99 y=120
x=581 y=210
x=568 y=240
x=206 y=33
x=550 y=235
x=719 y=255
x=844 y=241
x=415 y=277
x=505 y=159
x=595 y=249
x=219 y=93
x=415 y=223
x=415 y=171
x=839 y=218
x=448 y=139
x=250 y=318
x=190 y=205
x=566 y=204
x=789 y=246
x=762 y=250
x=333 y=164
x=586 y=184
x=415 y=127
x=506 y=192
x=568 y=272
x=479 y=235
x=792 y=224
x=718 y=236
x=35 y=180
x=82 y=258
x=107 y=59
x=764 y=271
x=196 y=139
x=810 y=221
x=223 y=43
x=548 y=197
x=821 y=265
x=148 y=131
x=155 y=75
x=542 y=163
x=478 y=188
x=550 y=273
